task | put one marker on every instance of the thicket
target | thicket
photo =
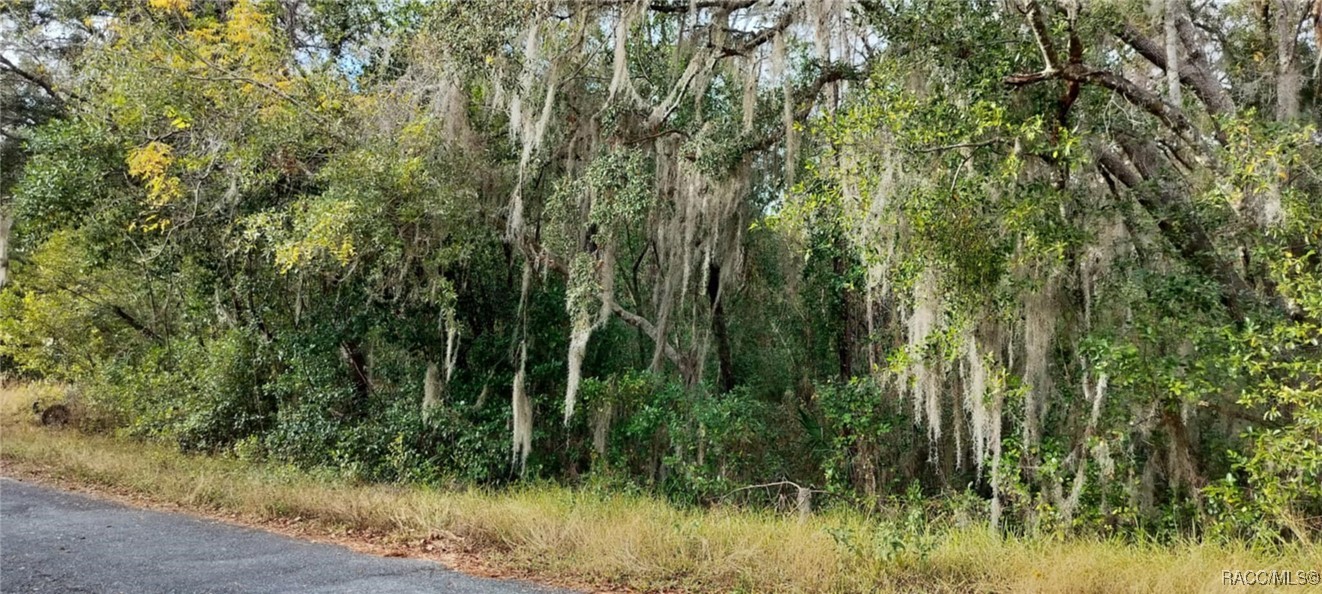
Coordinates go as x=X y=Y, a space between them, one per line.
x=1055 y=261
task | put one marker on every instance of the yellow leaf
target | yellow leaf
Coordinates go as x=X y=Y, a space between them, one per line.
x=179 y=6
x=149 y=163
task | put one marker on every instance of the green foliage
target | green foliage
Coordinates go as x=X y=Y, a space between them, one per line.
x=1275 y=489
x=861 y=421
x=1028 y=293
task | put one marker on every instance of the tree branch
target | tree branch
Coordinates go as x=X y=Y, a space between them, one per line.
x=1193 y=73
x=1168 y=209
x=1170 y=115
x=832 y=73
x=1077 y=72
x=34 y=79
x=1043 y=37
x=959 y=145
x=682 y=6
x=650 y=330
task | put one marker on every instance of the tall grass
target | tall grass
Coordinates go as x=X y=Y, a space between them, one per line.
x=613 y=540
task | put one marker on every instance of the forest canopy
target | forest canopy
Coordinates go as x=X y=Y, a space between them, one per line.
x=1057 y=258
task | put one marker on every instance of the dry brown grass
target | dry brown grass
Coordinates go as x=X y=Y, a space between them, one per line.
x=614 y=540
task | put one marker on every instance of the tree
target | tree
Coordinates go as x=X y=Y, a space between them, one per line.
x=1061 y=220
x=1061 y=252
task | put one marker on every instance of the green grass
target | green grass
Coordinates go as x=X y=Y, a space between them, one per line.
x=611 y=540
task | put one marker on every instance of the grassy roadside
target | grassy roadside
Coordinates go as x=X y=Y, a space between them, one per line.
x=604 y=540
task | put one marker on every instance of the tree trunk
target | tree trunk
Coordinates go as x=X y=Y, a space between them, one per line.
x=845 y=346
x=6 y=222
x=720 y=328
x=433 y=389
x=352 y=354
x=1289 y=78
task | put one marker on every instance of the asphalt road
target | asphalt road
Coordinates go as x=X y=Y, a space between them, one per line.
x=52 y=541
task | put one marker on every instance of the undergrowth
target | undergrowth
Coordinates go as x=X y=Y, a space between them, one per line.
x=606 y=538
